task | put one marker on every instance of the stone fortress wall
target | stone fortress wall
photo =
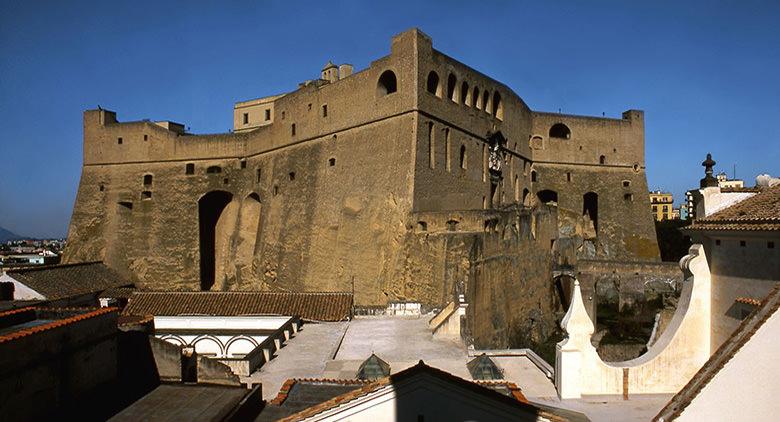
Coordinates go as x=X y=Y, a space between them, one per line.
x=335 y=193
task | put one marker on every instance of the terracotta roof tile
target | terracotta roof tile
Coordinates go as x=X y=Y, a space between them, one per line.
x=55 y=324
x=308 y=306
x=748 y=301
x=722 y=356
x=759 y=212
x=63 y=281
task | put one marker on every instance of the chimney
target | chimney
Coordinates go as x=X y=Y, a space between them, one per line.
x=345 y=70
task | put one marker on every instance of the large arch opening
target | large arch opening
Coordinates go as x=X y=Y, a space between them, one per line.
x=560 y=131
x=387 y=83
x=498 y=106
x=452 y=82
x=547 y=196
x=464 y=94
x=590 y=207
x=210 y=209
x=432 y=84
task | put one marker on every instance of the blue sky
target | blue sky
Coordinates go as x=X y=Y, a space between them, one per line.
x=706 y=73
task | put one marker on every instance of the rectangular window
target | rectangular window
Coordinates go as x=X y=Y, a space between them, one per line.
x=189 y=168
x=742 y=243
x=246 y=118
x=717 y=242
x=568 y=177
x=146 y=137
x=292 y=129
x=259 y=174
x=770 y=245
x=267 y=114
x=243 y=163
x=119 y=140
x=324 y=110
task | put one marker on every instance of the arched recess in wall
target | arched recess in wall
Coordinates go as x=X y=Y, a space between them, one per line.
x=432 y=85
x=211 y=208
x=464 y=94
x=526 y=198
x=248 y=229
x=590 y=207
x=486 y=101
x=240 y=346
x=208 y=346
x=463 y=158
x=517 y=188
x=475 y=98
x=498 y=106
x=452 y=82
x=387 y=83
x=560 y=131
x=547 y=196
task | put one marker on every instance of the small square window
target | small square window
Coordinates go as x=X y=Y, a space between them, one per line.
x=717 y=242
x=770 y=245
x=628 y=197
x=246 y=118
x=146 y=137
x=119 y=140
x=309 y=106
x=332 y=162
x=324 y=110
x=226 y=181
x=146 y=195
x=102 y=188
x=243 y=163
x=267 y=114
x=626 y=183
x=283 y=115
x=292 y=175
x=189 y=168
x=742 y=243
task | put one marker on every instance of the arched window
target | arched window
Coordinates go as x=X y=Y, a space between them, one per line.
x=433 y=84
x=475 y=98
x=525 y=197
x=498 y=107
x=463 y=163
x=464 y=93
x=547 y=196
x=533 y=175
x=485 y=99
x=602 y=160
x=452 y=81
x=387 y=83
x=147 y=179
x=560 y=130
x=590 y=207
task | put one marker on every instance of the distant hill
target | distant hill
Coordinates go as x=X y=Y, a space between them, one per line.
x=6 y=235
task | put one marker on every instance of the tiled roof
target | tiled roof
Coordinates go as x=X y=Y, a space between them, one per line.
x=748 y=301
x=64 y=281
x=421 y=367
x=722 y=356
x=759 y=212
x=308 y=306
x=118 y=292
x=54 y=324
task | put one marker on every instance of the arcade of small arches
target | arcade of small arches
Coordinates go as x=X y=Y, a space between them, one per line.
x=216 y=345
x=463 y=94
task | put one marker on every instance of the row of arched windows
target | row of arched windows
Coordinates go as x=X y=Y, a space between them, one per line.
x=463 y=94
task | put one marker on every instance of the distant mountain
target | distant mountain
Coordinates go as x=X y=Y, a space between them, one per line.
x=6 y=235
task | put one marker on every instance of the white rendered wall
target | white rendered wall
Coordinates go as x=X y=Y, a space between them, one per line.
x=21 y=292
x=746 y=388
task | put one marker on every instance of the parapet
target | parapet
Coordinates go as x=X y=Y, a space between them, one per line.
x=410 y=38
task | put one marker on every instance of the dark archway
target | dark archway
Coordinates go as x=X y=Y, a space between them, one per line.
x=546 y=196
x=590 y=206
x=387 y=83
x=452 y=82
x=432 y=85
x=464 y=94
x=210 y=207
x=560 y=131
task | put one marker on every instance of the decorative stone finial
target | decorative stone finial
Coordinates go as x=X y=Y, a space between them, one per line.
x=709 y=180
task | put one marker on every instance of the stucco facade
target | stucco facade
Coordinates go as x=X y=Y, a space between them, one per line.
x=342 y=189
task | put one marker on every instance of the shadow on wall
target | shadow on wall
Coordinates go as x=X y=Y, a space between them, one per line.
x=671 y=241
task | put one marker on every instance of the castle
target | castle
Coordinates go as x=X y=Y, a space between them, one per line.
x=414 y=179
